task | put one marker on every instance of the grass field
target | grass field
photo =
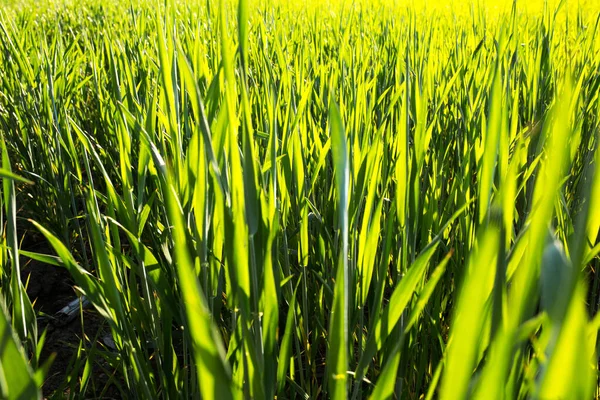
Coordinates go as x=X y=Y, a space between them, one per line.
x=301 y=200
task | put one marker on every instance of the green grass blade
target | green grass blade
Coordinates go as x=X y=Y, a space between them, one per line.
x=470 y=317
x=337 y=356
x=16 y=377
x=214 y=375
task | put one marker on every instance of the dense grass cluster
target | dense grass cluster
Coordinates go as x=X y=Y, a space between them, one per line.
x=335 y=200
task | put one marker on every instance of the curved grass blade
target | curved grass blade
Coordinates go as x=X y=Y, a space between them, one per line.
x=386 y=382
x=470 y=317
x=214 y=375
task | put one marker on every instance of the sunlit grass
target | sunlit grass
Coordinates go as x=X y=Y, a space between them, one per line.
x=306 y=199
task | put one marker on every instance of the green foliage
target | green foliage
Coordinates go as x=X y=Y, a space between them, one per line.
x=326 y=200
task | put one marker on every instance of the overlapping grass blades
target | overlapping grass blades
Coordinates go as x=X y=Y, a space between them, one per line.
x=326 y=200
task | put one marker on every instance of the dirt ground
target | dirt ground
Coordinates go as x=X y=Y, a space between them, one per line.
x=50 y=288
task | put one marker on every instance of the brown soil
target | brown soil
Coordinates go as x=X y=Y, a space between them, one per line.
x=50 y=288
